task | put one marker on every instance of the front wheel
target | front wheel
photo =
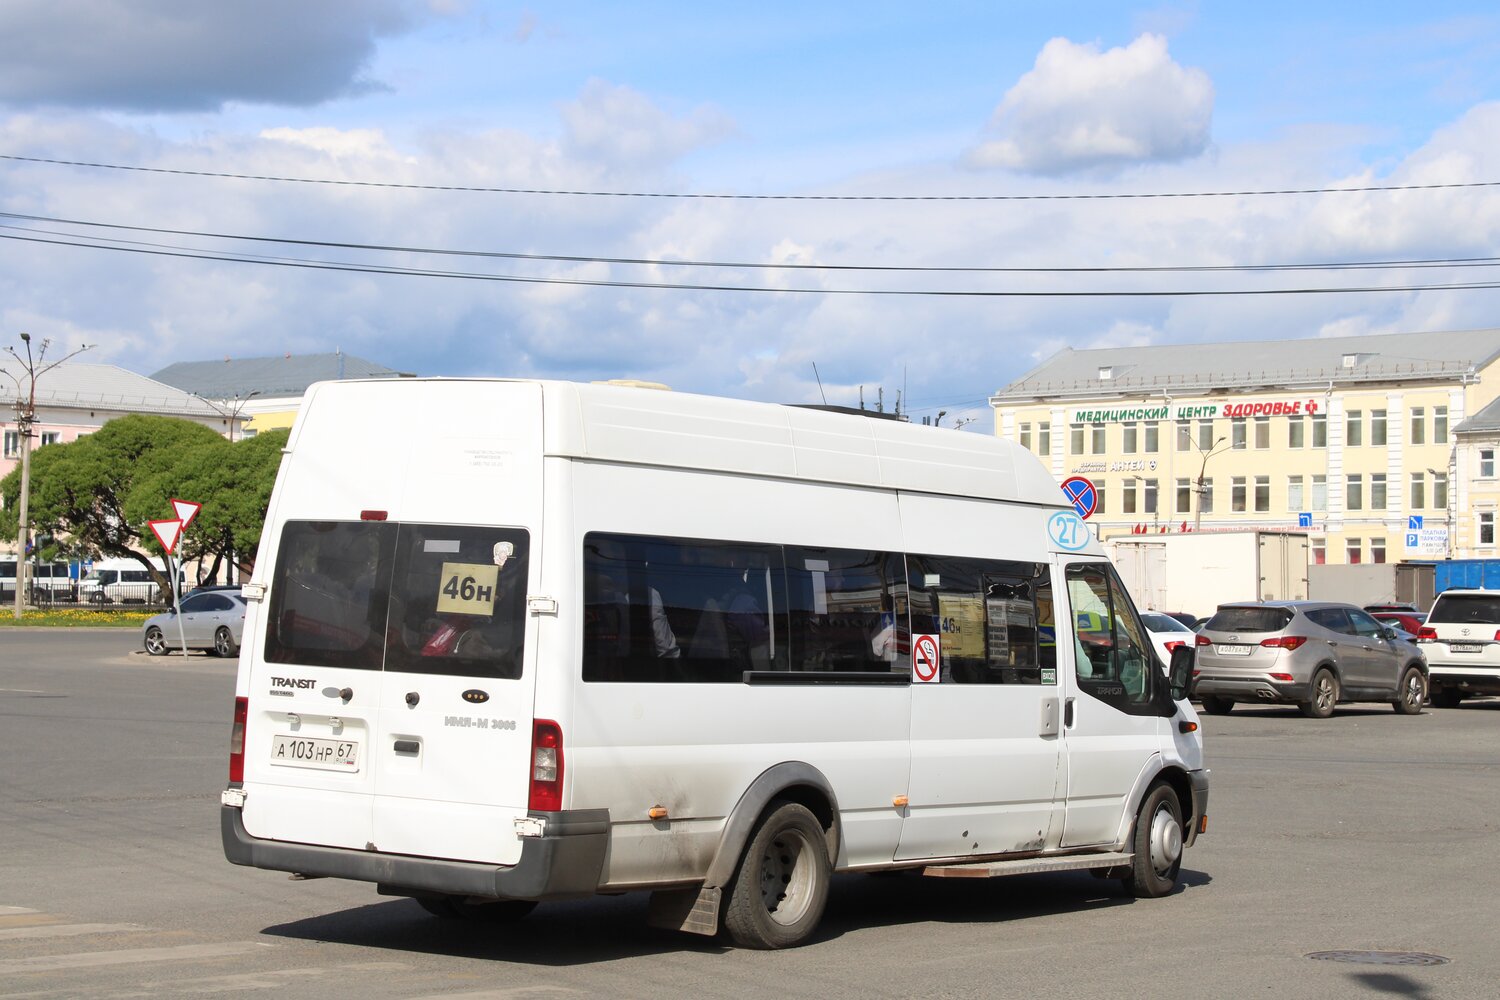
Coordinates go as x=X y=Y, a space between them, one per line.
x=1412 y=693
x=1157 y=842
x=781 y=888
x=1215 y=705
x=224 y=644
x=156 y=643
x=1322 y=695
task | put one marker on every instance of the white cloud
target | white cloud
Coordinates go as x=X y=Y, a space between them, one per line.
x=615 y=124
x=1080 y=108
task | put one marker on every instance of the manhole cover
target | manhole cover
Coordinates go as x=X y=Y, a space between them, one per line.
x=1379 y=957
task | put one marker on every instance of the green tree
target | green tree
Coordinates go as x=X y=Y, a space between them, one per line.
x=102 y=489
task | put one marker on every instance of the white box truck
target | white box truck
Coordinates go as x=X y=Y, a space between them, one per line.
x=1199 y=570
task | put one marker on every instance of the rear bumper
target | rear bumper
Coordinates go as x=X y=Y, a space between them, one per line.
x=1199 y=782
x=567 y=860
x=1464 y=676
x=1250 y=689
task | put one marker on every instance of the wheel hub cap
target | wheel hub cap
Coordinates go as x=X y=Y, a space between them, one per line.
x=1166 y=840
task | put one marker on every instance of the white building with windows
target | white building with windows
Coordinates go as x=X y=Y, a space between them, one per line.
x=1372 y=445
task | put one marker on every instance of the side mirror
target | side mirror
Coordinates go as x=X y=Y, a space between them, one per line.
x=1388 y=633
x=1180 y=672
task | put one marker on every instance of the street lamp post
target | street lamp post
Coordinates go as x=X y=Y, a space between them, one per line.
x=25 y=420
x=236 y=403
x=1447 y=503
x=1200 y=490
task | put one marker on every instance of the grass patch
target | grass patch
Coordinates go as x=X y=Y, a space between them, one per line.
x=76 y=617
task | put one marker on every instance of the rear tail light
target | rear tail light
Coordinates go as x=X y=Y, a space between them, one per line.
x=1429 y=634
x=1172 y=644
x=1284 y=678
x=1284 y=642
x=546 y=767
x=1203 y=640
x=237 y=740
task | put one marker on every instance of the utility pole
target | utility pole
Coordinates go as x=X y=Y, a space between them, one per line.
x=231 y=410
x=25 y=420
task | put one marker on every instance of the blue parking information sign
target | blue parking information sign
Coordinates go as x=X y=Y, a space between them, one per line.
x=1304 y=519
x=1414 y=522
x=1081 y=494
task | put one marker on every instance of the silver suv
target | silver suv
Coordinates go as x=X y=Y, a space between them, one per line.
x=1461 y=638
x=1313 y=654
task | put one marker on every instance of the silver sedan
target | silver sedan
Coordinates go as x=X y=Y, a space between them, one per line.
x=213 y=620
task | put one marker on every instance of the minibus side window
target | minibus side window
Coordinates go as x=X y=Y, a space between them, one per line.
x=1114 y=661
x=330 y=592
x=681 y=610
x=992 y=617
x=848 y=611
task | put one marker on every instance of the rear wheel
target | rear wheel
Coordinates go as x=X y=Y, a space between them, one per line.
x=156 y=643
x=1157 y=843
x=224 y=644
x=1215 y=705
x=779 y=893
x=1412 y=693
x=1446 y=697
x=1322 y=695
x=460 y=908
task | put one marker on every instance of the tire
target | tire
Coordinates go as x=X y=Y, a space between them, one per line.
x=1412 y=693
x=1215 y=705
x=781 y=888
x=1157 y=843
x=97 y=597
x=501 y=911
x=1322 y=695
x=1446 y=697
x=156 y=643
x=224 y=644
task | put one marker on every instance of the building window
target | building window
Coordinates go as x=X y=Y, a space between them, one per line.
x=1237 y=434
x=1440 y=490
x=1320 y=430
x=1025 y=437
x=1153 y=438
x=1320 y=493
x=1487 y=527
x=1262 y=432
x=1150 y=496
x=1354 y=492
x=1319 y=551
x=1296 y=432
x=1377 y=427
x=1354 y=429
x=1377 y=550
x=1439 y=425
x=1044 y=438
x=1237 y=494
x=1096 y=436
x=12 y=444
x=49 y=437
x=1206 y=497
x=1294 y=495
x=1099 y=497
x=1352 y=551
x=1075 y=439
x=1262 y=493
x=1486 y=463
x=1184 y=435
x=1127 y=496
x=1206 y=435
x=1417 y=499
x=1184 y=496
x=1129 y=437
x=1377 y=491
x=1418 y=425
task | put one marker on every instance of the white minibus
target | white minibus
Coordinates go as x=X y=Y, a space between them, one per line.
x=514 y=641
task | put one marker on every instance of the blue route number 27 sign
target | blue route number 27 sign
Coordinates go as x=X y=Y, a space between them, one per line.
x=1081 y=494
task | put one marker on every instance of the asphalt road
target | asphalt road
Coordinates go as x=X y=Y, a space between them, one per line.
x=1366 y=832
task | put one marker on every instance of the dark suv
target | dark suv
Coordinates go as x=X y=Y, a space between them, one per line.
x=1312 y=654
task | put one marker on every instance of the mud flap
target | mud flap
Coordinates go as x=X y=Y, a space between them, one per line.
x=693 y=910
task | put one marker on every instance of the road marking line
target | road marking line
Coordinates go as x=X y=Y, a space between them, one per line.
x=129 y=956
x=20 y=691
x=64 y=930
x=6 y=911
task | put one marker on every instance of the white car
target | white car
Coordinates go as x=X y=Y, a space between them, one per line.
x=213 y=620
x=1167 y=633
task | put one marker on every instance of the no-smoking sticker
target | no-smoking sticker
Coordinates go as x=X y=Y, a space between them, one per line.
x=926 y=659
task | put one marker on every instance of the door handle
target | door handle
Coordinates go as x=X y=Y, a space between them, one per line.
x=407 y=746
x=1068 y=713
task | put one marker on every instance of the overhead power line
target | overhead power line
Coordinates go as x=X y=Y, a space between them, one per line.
x=1428 y=262
x=157 y=250
x=725 y=196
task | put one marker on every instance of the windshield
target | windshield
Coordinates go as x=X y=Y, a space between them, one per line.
x=1249 y=620
x=1483 y=609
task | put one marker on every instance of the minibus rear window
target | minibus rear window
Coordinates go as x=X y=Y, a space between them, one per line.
x=330 y=593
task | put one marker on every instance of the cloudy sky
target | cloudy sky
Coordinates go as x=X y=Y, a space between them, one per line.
x=843 y=133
